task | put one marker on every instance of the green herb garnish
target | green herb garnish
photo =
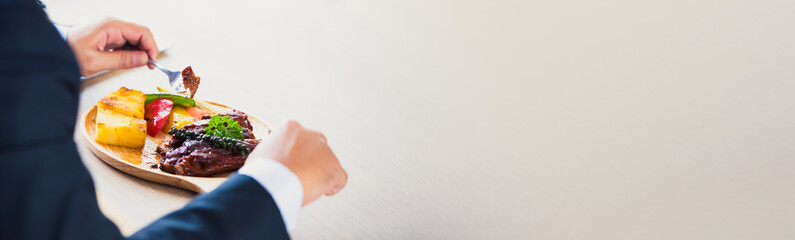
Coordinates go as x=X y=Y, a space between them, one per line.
x=224 y=126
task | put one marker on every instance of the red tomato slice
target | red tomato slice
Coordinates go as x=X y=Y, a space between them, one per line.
x=156 y=114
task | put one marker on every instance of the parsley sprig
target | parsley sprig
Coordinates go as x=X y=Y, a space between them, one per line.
x=224 y=126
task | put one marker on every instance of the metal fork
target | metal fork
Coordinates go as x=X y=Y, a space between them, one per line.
x=174 y=78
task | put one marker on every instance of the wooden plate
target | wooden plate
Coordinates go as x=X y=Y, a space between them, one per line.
x=134 y=161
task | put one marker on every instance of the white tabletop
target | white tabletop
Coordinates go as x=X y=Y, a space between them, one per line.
x=497 y=119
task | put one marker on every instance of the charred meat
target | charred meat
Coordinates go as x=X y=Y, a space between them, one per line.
x=190 y=80
x=202 y=157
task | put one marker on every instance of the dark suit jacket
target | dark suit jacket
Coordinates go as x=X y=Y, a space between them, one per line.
x=46 y=192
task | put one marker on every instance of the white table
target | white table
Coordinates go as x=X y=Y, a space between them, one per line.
x=497 y=119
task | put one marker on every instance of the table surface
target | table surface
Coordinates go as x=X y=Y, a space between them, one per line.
x=496 y=119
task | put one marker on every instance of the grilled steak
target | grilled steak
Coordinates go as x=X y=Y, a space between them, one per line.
x=200 y=158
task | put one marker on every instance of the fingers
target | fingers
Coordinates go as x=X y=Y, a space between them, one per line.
x=112 y=44
x=119 y=59
x=120 y=33
x=339 y=183
x=142 y=38
x=136 y=35
x=322 y=137
x=338 y=176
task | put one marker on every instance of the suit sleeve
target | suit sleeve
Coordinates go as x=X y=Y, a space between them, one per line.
x=46 y=192
x=239 y=209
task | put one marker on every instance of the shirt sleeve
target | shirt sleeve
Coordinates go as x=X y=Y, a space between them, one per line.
x=283 y=185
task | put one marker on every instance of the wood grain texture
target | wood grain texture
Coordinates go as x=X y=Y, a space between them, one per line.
x=134 y=161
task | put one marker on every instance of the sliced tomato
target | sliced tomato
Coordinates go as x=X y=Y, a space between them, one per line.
x=156 y=114
x=196 y=112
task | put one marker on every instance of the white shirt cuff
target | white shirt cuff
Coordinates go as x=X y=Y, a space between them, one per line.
x=283 y=185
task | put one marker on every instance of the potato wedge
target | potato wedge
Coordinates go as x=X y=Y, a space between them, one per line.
x=126 y=101
x=118 y=129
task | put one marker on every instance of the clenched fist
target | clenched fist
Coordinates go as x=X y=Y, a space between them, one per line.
x=307 y=154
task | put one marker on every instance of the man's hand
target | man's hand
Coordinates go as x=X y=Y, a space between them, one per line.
x=308 y=155
x=98 y=47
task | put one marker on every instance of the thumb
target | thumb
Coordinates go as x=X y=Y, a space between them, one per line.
x=120 y=59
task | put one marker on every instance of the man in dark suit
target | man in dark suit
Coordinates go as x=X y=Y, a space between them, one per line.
x=48 y=194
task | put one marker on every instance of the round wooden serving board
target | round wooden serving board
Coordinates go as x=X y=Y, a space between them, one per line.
x=129 y=160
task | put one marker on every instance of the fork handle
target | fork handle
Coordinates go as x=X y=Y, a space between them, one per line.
x=154 y=63
x=158 y=66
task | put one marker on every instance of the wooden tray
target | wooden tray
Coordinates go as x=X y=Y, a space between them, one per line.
x=129 y=160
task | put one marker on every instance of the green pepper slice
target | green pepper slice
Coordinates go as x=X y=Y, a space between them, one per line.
x=178 y=99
